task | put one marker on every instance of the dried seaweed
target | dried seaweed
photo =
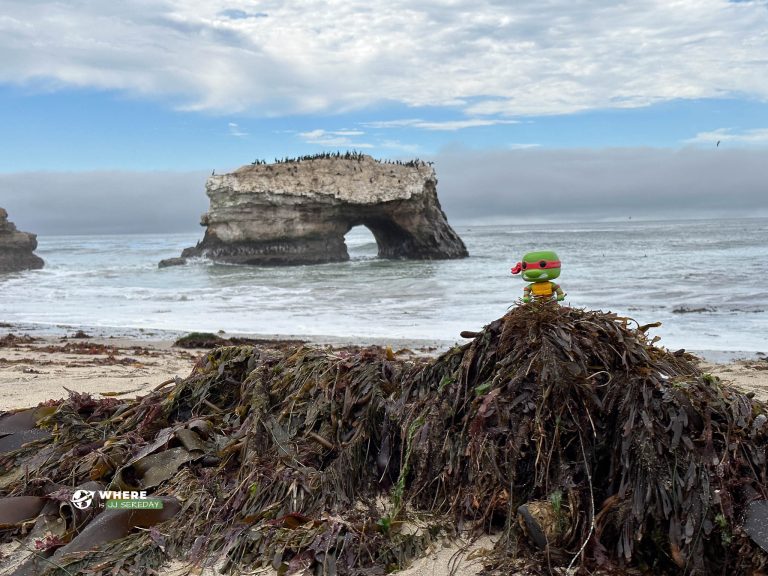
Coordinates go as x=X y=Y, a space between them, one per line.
x=564 y=431
x=10 y=340
x=209 y=340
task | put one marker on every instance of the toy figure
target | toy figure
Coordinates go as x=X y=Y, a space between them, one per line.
x=540 y=268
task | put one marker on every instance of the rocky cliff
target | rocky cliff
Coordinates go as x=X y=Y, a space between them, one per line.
x=298 y=211
x=16 y=247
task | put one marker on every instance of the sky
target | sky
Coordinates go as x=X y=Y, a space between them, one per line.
x=112 y=114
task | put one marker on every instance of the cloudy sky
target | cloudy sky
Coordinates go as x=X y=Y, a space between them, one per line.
x=110 y=109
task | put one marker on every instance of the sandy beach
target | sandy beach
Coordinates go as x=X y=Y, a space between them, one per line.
x=33 y=370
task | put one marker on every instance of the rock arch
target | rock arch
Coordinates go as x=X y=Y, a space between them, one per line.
x=299 y=212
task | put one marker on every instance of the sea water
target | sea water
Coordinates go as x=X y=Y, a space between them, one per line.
x=704 y=280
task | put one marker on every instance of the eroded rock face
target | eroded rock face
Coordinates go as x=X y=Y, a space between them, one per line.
x=16 y=247
x=297 y=212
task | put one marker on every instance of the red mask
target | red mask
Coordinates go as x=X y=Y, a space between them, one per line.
x=540 y=265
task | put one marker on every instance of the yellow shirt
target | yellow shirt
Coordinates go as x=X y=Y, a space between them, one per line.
x=542 y=289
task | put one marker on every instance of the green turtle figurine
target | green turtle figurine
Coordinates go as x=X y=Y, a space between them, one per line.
x=540 y=268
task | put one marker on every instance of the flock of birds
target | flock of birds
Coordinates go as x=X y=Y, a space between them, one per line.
x=348 y=155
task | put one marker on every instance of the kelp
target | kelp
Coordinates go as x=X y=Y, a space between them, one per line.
x=210 y=340
x=10 y=340
x=652 y=462
x=566 y=433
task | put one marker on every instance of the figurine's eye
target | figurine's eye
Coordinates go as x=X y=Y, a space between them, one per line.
x=525 y=265
x=543 y=264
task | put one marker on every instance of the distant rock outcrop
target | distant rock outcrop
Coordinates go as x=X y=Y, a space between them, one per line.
x=16 y=247
x=298 y=211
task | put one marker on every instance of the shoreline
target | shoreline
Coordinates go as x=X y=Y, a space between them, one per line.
x=35 y=368
x=143 y=335
x=436 y=345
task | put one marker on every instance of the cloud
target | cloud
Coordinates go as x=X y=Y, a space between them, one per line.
x=334 y=138
x=235 y=14
x=582 y=184
x=514 y=186
x=234 y=130
x=104 y=202
x=440 y=125
x=348 y=132
x=754 y=136
x=480 y=57
x=522 y=145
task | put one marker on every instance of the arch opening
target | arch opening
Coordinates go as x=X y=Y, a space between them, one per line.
x=361 y=243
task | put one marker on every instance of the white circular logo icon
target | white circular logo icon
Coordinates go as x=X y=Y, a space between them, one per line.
x=81 y=499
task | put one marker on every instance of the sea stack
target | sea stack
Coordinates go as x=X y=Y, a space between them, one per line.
x=16 y=248
x=298 y=211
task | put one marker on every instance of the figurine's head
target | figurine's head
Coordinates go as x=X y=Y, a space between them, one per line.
x=538 y=266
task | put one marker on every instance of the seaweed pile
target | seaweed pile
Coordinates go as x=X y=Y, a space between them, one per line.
x=564 y=432
x=209 y=340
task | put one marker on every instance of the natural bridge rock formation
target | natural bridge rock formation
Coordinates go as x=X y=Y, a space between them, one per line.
x=16 y=247
x=298 y=211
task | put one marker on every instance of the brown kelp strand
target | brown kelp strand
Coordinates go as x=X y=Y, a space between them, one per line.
x=565 y=433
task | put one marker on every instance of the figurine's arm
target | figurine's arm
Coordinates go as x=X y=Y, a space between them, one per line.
x=560 y=293
x=527 y=293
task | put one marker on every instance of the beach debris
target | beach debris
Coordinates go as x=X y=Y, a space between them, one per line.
x=20 y=428
x=80 y=334
x=756 y=523
x=112 y=393
x=208 y=340
x=84 y=348
x=564 y=432
x=685 y=309
x=200 y=340
x=10 y=340
x=19 y=509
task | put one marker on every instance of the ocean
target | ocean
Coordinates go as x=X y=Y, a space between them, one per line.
x=704 y=280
